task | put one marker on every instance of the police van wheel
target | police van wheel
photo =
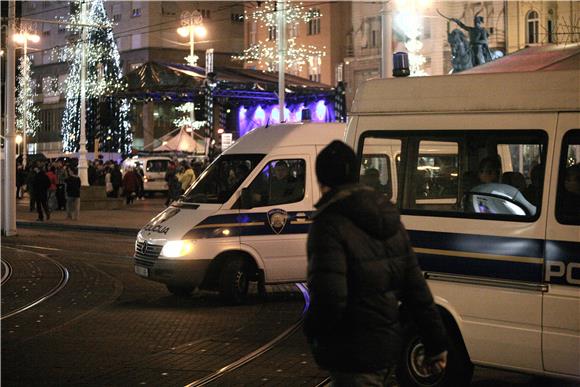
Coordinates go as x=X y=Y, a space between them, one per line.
x=458 y=372
x=180 y=291
x=234 y=281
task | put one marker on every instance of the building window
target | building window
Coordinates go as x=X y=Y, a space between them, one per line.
x=551 y=37
x=168 y=8
x=314 y=64
x=293 y=31
x=136 y=12
x=205 y=13
x=314 y=24
x=237 y=18
x=374 y=38
x=253 y=32
x=271 y=33
x=533 y=26
x=135 y=41
x=61 y=28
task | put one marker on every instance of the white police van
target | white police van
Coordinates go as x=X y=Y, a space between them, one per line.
x=244 y=219
x=154 y=168
x=501 y=253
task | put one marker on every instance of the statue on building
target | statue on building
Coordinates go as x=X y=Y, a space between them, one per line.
x=478 y=36
x=461 y=57
x=477 y=40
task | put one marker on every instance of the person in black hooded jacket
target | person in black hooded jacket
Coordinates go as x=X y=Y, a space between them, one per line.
x=361 y=267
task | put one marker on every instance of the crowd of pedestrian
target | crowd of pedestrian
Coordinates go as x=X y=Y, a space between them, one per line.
x=51 y=186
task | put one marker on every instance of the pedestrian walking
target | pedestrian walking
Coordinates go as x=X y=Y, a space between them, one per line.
x=116 y=179
x=20 y=181
x=73 y=194
x=40 y=186
x=61 y=174
x=187 y=176
x=361 y=267
x=130 y=185
x=30 y=175
x=173 y=187
x=52 y=201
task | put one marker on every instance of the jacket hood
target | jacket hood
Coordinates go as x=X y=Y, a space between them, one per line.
x=368 y=209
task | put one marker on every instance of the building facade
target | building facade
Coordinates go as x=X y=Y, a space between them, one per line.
x=144 y=31
x=326 y=32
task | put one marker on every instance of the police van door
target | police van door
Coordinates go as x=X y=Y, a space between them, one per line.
x=281 y=203
x=561 y=303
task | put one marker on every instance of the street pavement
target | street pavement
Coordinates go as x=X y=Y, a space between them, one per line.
x=127 y=220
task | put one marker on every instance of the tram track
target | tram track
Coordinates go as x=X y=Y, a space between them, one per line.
x=214 y=378
x=6 y=272
x=51 y=292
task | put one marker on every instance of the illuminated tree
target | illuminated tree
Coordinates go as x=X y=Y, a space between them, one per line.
x=25 y=108
x=106 y=116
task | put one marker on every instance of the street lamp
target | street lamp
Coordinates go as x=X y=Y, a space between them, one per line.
x=18 y=142
x=22 y=38
x=191 y=25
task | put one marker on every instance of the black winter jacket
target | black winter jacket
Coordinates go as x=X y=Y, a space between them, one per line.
x=360 y=267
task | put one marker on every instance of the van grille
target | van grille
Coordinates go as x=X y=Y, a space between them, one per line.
x=146 y=253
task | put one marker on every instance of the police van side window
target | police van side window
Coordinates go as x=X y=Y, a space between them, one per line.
x=280 y=182
x=375 y=172
x=568 y=194
x=473 y=174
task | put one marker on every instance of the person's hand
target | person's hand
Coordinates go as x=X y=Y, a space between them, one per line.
x=436 y=364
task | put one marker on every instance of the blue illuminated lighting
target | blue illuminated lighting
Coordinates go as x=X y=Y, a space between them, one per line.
x=320 y=111
x=260 y=116
x=250 y=117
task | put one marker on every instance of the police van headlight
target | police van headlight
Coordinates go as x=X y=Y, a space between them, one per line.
x=174 y=249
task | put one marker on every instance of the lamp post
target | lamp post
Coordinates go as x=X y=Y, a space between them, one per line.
x=22 y=38
x=191 y=25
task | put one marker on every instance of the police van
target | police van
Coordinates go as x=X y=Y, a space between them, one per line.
x=485 y=169
x=244 y=219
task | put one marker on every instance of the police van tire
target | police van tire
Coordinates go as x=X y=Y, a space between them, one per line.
x=234 y=281
x=458 y=372
x=180 y=291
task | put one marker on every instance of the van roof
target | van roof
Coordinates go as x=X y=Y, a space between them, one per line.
x=527 y=91
x=265 y=139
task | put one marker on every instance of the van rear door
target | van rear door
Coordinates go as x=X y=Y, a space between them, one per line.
x=561 y=303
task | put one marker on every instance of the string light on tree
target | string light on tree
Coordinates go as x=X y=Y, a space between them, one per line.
x=26 y=110
x=107 y=117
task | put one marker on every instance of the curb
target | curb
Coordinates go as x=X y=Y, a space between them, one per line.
x=77 y=227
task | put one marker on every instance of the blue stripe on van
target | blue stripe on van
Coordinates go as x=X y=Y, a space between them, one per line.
x=516 y=259
x=248 y=224
x=508 y=258
x=522 y=247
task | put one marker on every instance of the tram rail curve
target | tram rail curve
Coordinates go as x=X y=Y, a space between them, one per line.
x=51 y=292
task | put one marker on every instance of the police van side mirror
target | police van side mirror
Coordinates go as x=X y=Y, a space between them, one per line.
x=246 y=199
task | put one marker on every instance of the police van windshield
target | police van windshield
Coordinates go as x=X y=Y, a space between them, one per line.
x=221 y=179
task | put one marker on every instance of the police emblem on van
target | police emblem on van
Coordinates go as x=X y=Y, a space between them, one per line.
x=277 y=219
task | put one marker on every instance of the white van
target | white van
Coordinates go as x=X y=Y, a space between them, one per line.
x=245 y=218
x=500 y=246
x=154 y=168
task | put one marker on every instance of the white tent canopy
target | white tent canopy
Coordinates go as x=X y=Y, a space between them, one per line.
x=181 y=142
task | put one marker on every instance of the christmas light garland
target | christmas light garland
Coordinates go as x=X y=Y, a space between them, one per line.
x=265 y=53
x=25 y=106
